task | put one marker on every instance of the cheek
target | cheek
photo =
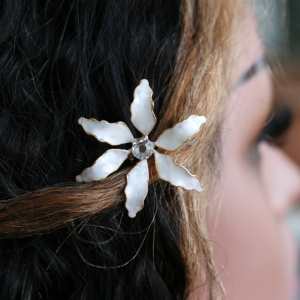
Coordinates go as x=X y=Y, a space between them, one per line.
x=248 y=245
x=280 y=177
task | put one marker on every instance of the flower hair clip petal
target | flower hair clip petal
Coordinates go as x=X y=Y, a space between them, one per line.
x=143 y=118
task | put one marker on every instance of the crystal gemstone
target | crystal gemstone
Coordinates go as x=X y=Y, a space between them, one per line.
x=142 y=148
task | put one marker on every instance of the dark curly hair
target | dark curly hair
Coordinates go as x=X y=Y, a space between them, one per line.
x=61 y=60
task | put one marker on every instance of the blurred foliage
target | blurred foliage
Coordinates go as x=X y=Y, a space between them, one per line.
x=293 y=24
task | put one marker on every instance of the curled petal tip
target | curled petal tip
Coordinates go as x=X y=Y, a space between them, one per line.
x=79 y=178
x=145 y=81
x=80 y=120
x=131 y=215
x=199 y=188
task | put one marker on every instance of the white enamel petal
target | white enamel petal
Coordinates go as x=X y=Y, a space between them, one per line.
x=111 y=133
x=172 y=138
x=176 y=175
x=137 y=188
x=107 y=163
x=142 y=115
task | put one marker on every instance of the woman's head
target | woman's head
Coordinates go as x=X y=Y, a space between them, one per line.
x=61 y=60
x=258 y=183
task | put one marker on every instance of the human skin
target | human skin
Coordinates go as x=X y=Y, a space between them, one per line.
x=258 y=183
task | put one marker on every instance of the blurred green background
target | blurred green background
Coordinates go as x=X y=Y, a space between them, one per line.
x=293 y=26
x=280 y=26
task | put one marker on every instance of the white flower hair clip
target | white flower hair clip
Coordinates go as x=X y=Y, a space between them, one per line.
x=143 y=118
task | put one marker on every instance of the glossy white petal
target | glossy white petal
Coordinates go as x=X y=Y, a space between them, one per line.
x=137 y=188
x=172 y=138
x=142 y=115
x=111 y=133
x=176 y=175
x=107 y=163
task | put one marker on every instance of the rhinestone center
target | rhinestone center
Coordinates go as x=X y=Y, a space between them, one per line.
x=142 y=148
